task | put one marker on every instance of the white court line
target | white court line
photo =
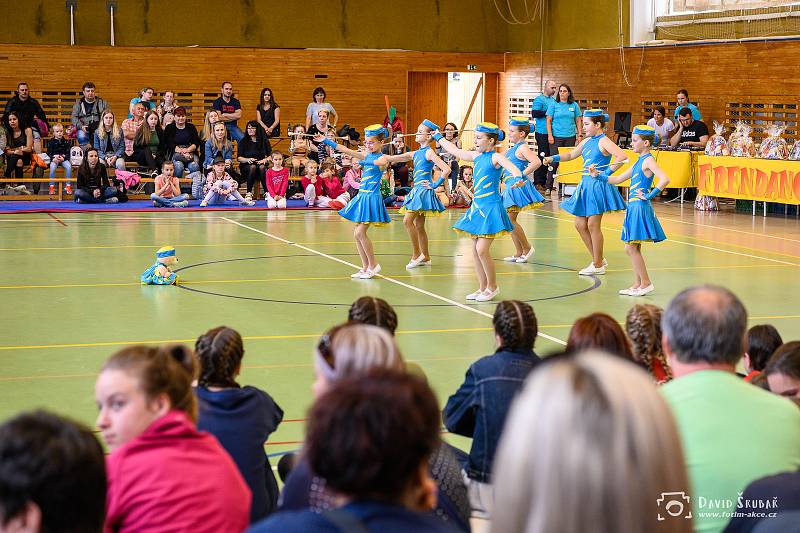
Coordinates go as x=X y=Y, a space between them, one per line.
x=391 y=280
x=682 y=242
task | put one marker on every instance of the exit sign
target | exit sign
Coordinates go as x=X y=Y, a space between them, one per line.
x=472 y=67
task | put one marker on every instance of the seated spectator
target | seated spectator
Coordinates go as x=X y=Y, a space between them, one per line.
x=168 y=105
x=182 y=141
x=354 y=349
x=598 y=331
x=18 y=150
x=479 y=407
x=400 y=169
x=762 y=341
x=218 y=145
x=149 y=143
x=392 y=197
x=145 y=98
x=352 y=178
x=87 y=113
x=318 y=104
x=92 y=183
x=643 y=326
x=253 y=153
x=109 y=142
x=462 y=192
x=130 y=126
x=277 y=178
x=230 y=111
x=52 y=475
x=782 y=491
x=333 y=193
x=663 y=126
x=588 y=434
x=298 y=149
x=58 y=149
x=268 y=113
x=168 y=188
x=220 y=185
x=783 y=371
x=167 y=119
x=312 y=185
x=29 y=112
x=370 y=437
x=692 y=134
x=163 y=474
x=721 y=418
x=241 y=418
x=320 y=127
x=211 y=118
x=683 y=103
x=325 y=152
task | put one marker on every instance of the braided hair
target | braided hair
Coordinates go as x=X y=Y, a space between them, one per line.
x=220 y=351
x=515 y=323
x=375 y=311
x=643 y=325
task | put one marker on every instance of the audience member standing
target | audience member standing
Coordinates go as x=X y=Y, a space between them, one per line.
x=539 y=114
x=312 y=110
x=722 y=420
x=684 y=103
x=268 y=113
x=230 y=110
x=563 y=126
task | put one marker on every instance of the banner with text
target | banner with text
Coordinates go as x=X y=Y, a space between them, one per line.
x=744 y=178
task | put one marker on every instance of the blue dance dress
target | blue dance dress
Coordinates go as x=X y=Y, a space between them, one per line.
x=593 y=196
x=367 y=207
x=520 y=198
x=486 y=217
x=421 y=199
x=641 y=224
x=149 y=276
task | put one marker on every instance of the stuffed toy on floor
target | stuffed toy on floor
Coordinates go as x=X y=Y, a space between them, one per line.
x=160 y=272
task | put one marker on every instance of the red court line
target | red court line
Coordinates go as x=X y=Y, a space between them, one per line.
x=57 y=219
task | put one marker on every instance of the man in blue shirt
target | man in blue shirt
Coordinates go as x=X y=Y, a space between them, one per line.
x=539 y=114
x=231 y=111
x=683 y=101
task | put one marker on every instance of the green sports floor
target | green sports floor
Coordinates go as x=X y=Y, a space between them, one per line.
x=71 y=294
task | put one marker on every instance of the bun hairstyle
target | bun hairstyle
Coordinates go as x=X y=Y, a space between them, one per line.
x=515 y=323
x=165 y=370
x=220 y=352
x=375 y=311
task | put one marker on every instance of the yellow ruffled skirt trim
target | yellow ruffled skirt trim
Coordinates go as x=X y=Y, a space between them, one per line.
x=487 y=236
x=377 y=224
x=517 y=209
x=429 y=213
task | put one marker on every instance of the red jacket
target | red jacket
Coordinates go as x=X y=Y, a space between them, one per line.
x=332 y=186
x=175 y=478
x=306 y=181
x=277 y=181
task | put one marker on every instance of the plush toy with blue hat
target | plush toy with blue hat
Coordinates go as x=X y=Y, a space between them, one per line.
x=160 y=272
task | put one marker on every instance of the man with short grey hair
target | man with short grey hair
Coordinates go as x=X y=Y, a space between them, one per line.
x=732 y=431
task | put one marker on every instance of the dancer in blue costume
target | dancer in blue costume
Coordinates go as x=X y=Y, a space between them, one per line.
x=641 y=224
x=159 y=273
x=367 y=208
x=592 y=197
x=516 y=199
x=422 y=200
x=486 y=218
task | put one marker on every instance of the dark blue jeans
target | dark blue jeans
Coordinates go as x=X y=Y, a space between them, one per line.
x=87 y=197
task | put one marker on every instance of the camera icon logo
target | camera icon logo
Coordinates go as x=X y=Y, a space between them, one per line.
x=675 y=505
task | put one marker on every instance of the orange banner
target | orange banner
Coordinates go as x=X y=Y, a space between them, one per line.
x=749 y=179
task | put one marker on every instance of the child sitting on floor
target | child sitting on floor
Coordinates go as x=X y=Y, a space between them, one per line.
x=220 y=185
x=277 y=182
x=312 y=185
x=335 y=196
x=168 y=189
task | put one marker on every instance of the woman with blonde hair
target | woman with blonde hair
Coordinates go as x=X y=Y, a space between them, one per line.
x=590 y=445
x=643 y=326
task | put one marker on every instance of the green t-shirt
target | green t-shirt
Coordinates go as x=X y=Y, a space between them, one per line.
x=732 y=433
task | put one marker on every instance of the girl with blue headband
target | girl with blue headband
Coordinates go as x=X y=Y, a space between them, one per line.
x=486 y=219
x=516 y=199
x=641 y=224
x=367 y=208
x=422 y=200
x=592 y=197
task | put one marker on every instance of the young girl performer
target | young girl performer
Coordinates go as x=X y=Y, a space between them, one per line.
x=422 y=200
x=516 y=199
x=592 y=197
x=641 y=224
x=486 y=218
x=367 y=208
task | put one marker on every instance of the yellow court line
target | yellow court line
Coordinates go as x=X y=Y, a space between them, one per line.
x=766 y=235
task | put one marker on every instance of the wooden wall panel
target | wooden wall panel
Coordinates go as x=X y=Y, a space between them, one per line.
x=491 y=82
x=427 y=98
x=356 y=81
x=714 y=75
